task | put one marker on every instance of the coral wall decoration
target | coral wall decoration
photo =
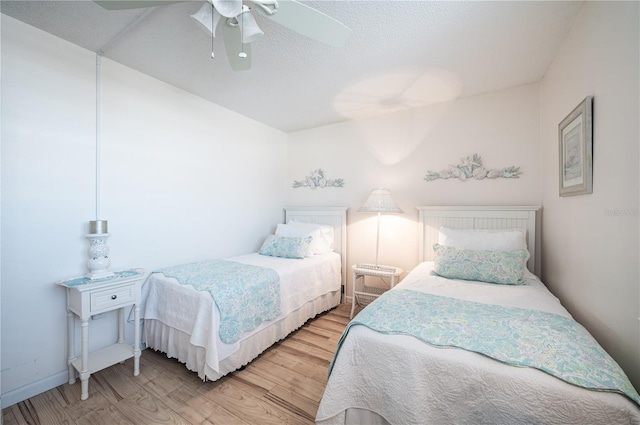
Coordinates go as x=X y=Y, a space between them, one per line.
x=317 y=179
x=471 y=167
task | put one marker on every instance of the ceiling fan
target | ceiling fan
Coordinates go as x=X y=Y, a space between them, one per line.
x=240 y=28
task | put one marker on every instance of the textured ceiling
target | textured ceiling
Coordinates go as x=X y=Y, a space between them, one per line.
x=401 y=54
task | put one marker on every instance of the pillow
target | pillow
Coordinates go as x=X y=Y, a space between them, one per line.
x=322 y=244
x=278 y=246
x=503 y=267
x=484 y=240
x=322 y=235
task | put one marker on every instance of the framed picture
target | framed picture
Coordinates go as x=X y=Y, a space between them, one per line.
x=575 y=140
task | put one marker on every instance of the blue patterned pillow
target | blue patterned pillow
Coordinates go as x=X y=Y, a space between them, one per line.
x=280 y=246
x=504 y=267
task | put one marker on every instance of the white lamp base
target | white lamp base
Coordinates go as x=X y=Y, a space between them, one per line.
x=99 y=260
x=99 y=275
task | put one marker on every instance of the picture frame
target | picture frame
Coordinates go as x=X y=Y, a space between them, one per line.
x=575 y=143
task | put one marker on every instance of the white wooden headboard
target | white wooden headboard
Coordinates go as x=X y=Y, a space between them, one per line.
x=468 y=217
x=334 y=216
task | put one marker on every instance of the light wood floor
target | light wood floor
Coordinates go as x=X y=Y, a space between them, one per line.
x=282 y=386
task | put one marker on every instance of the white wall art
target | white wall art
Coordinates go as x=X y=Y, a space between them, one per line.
x=317 y=179
x=471 y=167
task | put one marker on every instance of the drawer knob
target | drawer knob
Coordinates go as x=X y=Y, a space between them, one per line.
x=113 y=297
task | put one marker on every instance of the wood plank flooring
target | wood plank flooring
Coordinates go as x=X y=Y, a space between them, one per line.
x=283 y=385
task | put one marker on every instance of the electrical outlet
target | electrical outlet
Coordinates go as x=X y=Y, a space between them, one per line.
x=98 y=316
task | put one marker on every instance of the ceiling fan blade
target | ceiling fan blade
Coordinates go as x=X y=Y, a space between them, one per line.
x=233 y=44
x=134 y=4
x=310 y=22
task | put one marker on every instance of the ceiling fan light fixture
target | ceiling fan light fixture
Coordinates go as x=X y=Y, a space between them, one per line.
x=250 y=29
x=269 y=7
x=227 y=8
x=204 y=18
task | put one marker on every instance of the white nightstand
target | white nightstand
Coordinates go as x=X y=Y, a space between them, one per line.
x=363 y=294
x=87 y=297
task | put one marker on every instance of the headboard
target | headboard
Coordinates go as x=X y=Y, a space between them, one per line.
x=468 y=217
x=334 y=216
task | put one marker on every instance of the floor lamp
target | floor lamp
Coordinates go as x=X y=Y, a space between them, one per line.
x=381 y=202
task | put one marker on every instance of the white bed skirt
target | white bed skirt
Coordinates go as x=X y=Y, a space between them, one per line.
x=175 y=343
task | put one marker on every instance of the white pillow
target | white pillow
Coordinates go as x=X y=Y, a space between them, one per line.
x=483 y=240
x=322 y=235
x=324 y=243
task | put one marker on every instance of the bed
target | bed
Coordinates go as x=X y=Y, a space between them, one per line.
x=416 y=367
x=187 y=324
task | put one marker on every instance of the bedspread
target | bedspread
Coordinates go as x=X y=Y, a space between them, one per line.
x=246 y=295
x=551 y=343
x=398 y=379
x=195 y=314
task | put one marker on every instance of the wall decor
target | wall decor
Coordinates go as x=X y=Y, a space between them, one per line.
x=575 y=144
x=471 y=167
x=317 y=179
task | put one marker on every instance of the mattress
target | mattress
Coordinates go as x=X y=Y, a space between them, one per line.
x=381 y=379
x=183 y=322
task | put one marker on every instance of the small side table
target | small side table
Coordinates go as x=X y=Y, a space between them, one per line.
x=87 y=297
x=363 y=294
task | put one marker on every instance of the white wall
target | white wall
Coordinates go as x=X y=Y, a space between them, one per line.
x=182 y=180
x=397 y=150
x=590 y=242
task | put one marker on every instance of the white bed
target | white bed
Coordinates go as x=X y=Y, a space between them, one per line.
x=390 y=378
x=183 y=322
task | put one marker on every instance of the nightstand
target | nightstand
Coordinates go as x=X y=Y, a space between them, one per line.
x=87 y=297
x=363 y=294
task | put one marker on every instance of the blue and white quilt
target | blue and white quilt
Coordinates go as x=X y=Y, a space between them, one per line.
x=246 y=295
x=438 y=350
x=554 y=344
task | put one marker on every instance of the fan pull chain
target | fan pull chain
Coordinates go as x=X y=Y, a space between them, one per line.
x=242 y=53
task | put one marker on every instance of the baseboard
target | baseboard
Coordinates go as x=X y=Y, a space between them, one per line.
x=20 y=394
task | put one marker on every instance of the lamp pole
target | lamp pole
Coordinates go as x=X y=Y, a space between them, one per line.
x=378 y=239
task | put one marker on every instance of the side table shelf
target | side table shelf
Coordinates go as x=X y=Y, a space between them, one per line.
x=105 y=357
x=363 y=294
x=87 y=297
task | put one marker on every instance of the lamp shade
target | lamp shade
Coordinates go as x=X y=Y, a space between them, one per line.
x=380 y=201
x=204 y=18
x=250 y=29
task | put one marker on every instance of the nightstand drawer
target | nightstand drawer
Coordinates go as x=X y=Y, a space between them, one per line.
x=112 y=298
